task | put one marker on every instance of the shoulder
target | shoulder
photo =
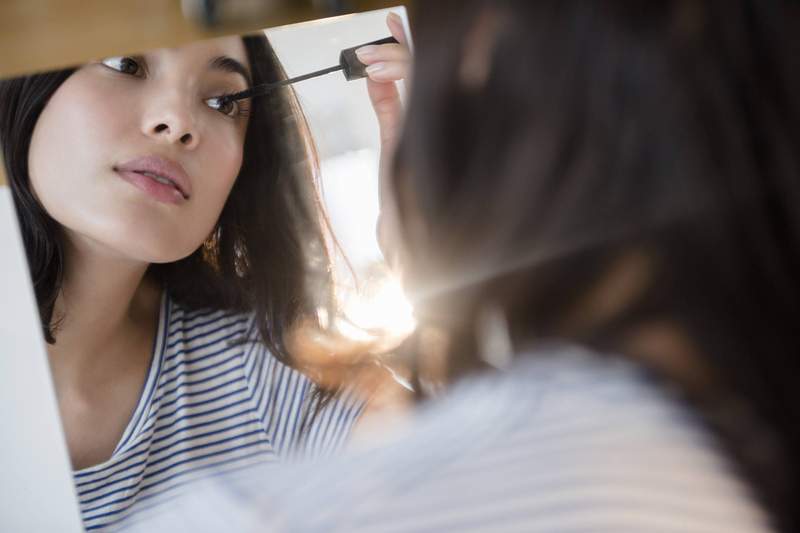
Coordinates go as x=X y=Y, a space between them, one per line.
x=566 y=439
x=624 y=449
x=200 y=354
x=196 y=329
x=226 y=347
x=568 y=428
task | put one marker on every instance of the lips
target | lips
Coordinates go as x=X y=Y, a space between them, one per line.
x=158 y=176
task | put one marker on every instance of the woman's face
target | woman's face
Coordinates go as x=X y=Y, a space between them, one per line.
x=133 y=156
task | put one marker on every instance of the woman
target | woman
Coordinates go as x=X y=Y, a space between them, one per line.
x=599 y=198
x=176 y=245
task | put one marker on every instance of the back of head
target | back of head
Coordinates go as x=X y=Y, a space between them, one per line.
x=608 y=171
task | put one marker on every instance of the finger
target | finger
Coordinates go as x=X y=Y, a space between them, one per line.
x=387 y=71
x=387 y=52
x=388 y=109
x=383 y=95
x=395 y=24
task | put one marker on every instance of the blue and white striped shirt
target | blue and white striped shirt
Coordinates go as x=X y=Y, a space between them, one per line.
x=564 y=442
x=209 y=405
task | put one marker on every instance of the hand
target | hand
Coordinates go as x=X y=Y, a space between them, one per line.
x=387 y=64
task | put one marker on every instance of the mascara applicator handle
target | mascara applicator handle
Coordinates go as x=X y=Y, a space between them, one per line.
x=354 y=69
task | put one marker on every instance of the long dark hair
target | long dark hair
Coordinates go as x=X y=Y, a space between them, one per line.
x=597 y=169
x=269 y=252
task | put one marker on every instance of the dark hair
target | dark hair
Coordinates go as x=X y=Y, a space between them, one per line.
x=269 y=251
x=554 y=146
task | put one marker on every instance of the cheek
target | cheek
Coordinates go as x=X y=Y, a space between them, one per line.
x=70 y=140
x=222 y=166
x=231 y=151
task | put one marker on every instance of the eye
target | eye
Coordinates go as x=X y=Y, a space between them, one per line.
x=125 y=65
x=231 y=108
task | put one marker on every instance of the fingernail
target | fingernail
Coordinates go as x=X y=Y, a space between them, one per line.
x=372 y=69
x=365 y=52
x=395 y=17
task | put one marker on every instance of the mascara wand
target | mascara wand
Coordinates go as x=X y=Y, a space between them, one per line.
x=349 y=64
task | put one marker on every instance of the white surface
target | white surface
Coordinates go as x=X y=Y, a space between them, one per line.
x=36 y=488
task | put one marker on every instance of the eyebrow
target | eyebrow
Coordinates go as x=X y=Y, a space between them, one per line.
x=228 y=64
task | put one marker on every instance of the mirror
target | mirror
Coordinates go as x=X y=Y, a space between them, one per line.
x=138 y=371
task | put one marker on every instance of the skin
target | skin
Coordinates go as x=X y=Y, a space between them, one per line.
x=388 y=64
x=97 y=119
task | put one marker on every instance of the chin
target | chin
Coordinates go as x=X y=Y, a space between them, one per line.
x=160 y=254
x=151 y=247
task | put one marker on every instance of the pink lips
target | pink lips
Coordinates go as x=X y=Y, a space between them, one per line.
x=159 y=177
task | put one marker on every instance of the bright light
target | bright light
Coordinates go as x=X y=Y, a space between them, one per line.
x=381 y=309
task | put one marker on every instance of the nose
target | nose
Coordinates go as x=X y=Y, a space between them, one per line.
x=170 y=120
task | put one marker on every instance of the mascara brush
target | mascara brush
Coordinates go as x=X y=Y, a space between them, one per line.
x=349 y=64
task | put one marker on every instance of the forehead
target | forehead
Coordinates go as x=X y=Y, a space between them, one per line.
x=203 y=51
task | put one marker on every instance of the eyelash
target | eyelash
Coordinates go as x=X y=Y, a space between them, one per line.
x=123 y=59
x=242 y=107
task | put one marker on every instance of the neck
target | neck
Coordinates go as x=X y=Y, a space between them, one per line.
x=105 y=305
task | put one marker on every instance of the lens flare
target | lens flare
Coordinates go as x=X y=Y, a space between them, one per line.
x=380 y=309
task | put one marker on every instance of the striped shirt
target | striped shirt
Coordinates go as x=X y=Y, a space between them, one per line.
x=209 y=405
x=564 y=442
